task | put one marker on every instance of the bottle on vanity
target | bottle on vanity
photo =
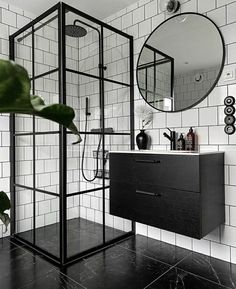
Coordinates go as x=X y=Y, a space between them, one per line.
x=190 y=140
x=181 y=143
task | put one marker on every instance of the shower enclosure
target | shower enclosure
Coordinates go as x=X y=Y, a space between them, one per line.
x=60 y=191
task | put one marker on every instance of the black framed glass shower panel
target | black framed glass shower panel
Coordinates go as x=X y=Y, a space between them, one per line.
x=58 y=13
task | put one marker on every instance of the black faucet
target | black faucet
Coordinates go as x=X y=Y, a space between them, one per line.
x=171 y=138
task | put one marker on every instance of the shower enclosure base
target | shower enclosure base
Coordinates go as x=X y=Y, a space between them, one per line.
x=83 y=235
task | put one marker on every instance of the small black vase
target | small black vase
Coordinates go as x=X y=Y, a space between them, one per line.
x=142 y=140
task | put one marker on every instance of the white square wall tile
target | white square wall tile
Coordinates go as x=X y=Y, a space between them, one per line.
x=221 y=115
x=218 y=16
x=157 y=20
x=189 y=6
x=231 y=53
x=231 y=12
x=159 y=120
x=217 y=96
x=230 y=154
x=228 y=235
x=232 y=175
x=145 y=28
x=190 y=117
x=217 y=135
x=220 y=251
x=214 y=235
x=168 y=237
x=202 y=246
x=174 y=119
x=9 y=17
x=154 y=233
x=151 y=9
x=228 y=32
x=230 y=195
x=233 y=255
x=208 y=116
x=127 y=20
x=138 y=15
x=223 y=2
x=232 y=215
x=141 y=229
x=206 y=5
x=201 y=135
x=184 y=242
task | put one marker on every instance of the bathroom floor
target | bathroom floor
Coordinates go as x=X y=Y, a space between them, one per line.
x=138 y=262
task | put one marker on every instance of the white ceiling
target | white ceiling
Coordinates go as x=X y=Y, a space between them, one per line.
x=98 y=8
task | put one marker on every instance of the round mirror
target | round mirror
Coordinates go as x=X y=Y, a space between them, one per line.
x=180 y=62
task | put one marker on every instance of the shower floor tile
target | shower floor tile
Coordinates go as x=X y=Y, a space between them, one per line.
x=82 y=235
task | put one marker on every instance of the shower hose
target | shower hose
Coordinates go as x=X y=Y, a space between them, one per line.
x=83 y=153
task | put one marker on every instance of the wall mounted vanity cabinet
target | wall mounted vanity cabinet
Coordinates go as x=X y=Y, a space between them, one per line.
x=178 y=192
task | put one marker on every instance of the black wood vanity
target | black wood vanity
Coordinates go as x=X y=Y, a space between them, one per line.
x=180 y=192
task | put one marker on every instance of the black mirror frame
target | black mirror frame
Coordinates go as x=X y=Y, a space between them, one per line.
x=217 y=78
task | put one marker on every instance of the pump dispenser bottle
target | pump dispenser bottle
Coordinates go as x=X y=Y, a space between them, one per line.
x=190 y=140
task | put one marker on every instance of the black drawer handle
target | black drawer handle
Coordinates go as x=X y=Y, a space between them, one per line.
x=148 y=161
x=148 y=193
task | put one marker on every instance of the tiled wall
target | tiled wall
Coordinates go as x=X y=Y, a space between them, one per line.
x=11 y=19
x=188 y=91
x=207 y=118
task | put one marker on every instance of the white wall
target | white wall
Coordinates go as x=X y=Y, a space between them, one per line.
x=207 y=118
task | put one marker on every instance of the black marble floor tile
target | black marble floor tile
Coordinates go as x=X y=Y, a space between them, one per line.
x=5 y=244
x=179 y=279
x=210 y=268
x=160 y=251
x=82 y=235
x=18 y=268
x=53 y=280
x=118 y=268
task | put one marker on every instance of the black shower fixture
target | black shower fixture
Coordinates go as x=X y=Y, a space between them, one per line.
x=75 y=30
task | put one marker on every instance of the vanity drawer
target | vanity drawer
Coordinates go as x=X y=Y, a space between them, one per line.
x=172 y=210
x=178 y=172
x=121 y=167
x=168 y=209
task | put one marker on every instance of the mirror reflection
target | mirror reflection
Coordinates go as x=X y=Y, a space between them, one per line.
x=180 y=62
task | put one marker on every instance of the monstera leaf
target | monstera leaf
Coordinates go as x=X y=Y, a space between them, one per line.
x=4 y=205
x=15 y=98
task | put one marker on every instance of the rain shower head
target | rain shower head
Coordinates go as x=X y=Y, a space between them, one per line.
x=75 y=30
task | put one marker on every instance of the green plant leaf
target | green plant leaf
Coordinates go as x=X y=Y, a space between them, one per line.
x=59 y=113
x=15 y=98
x=14 y=88
x=4 y=205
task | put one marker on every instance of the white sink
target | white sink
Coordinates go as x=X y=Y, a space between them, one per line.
x=174 y=152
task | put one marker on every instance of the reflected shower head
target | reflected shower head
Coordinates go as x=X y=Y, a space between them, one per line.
x=75 y=31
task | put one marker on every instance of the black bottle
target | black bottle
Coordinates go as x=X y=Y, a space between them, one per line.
x=190 y=140
x=181 y=143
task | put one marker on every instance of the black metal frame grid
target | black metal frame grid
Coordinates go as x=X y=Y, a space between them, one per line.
x=61 y=9
x=154 y=64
